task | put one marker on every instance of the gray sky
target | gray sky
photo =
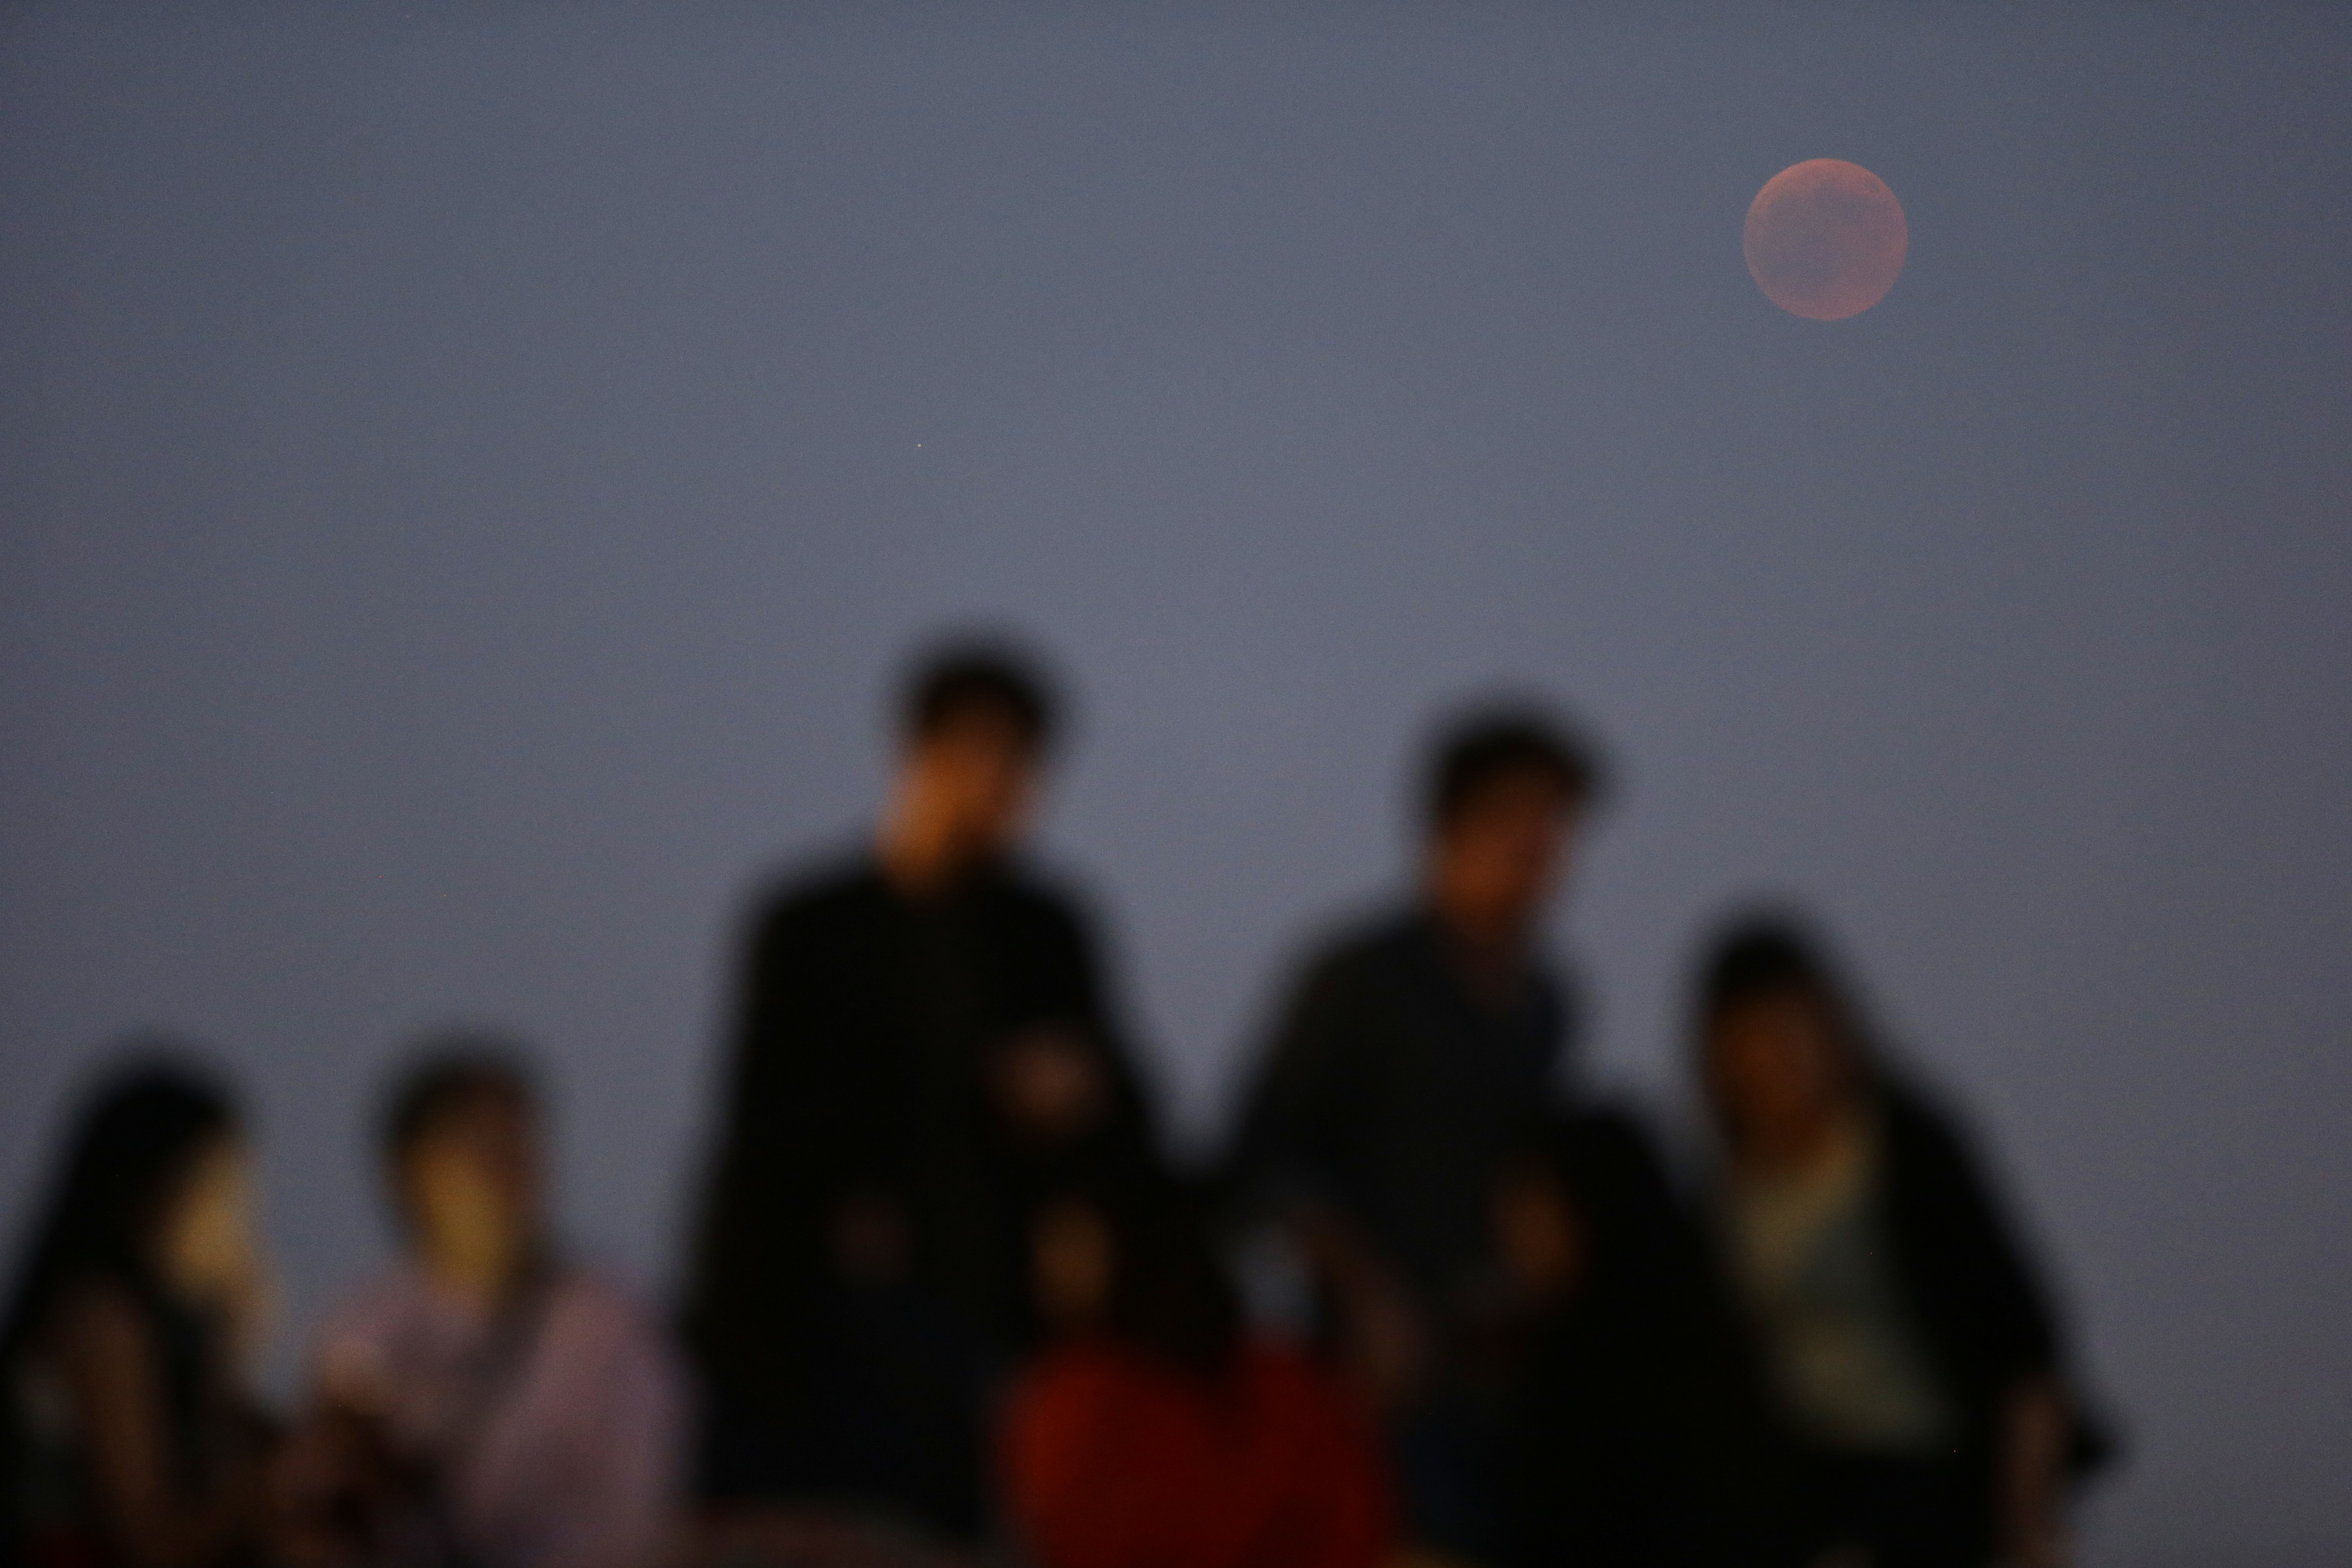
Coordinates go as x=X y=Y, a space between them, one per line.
x=464 y=484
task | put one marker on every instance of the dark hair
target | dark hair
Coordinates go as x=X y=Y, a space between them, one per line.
x=1765 y=953
x=1171 y=1294
x=1772 y=952
x=1477 y=749
x=139 y=1131
x=966 y=678
x=450 y=1072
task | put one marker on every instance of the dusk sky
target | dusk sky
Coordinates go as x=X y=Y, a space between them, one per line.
x=470 y=476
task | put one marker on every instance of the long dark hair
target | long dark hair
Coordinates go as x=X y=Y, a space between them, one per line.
x=141 y=1131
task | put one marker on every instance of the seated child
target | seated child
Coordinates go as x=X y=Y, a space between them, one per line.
x=486 y=1402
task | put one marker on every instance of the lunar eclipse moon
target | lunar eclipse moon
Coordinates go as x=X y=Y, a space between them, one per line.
x=1826 y=239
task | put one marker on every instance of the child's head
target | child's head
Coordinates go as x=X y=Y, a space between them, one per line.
x=1132 y=1261
x=462 y=1155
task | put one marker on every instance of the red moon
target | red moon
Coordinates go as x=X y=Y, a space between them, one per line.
x=1826 y=239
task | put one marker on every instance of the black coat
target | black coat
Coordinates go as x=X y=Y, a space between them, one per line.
x=1967 y=1282
x=1392 y=1094
x=862 y=1045
x=1976 y=1297
x=1629 y=1438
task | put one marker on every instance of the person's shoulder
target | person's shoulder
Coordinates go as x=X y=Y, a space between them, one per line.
x=1363 y=946
x=825 y=895
x=1612 y=1131
x=1929 y=1147
x=1915 y=1120
x=1041 y=908
x=96 y=1330
x=832 y=881
x=1037 y=891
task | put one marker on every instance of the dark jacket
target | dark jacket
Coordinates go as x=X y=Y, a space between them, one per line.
x=862 y=1046
x=1967 y=1283
x=1392 y=1094
x=1628 y=1433
x=1977 y=1298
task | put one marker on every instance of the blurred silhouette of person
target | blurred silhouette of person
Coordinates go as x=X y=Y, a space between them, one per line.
x=486 y=1402
x=1155 y=1432
x=922 y=1045
x=1626 y=1435
x=127 y=1439
x=1410 y=1057
x=1914 y=1361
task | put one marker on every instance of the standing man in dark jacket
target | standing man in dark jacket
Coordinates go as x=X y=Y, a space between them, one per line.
x=1412 y=1060
x=922 y=1044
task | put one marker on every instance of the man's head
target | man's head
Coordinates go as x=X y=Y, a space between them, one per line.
x=1505 y=792
x=975 y=724
x=461 y=1151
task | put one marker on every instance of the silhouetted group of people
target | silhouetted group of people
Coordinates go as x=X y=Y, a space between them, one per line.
x=947 y=1300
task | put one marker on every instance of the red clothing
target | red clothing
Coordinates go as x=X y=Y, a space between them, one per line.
x=1113 y=1459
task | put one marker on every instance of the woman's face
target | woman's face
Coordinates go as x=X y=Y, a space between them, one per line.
x=205 y=1247
x=1778 y=1072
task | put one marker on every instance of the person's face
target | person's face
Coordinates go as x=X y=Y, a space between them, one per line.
x=205 y=1247
x=469 y=1185
x=1777 y=1067
x=1497 y=860
x=978 y=773
x=1071 y=1249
